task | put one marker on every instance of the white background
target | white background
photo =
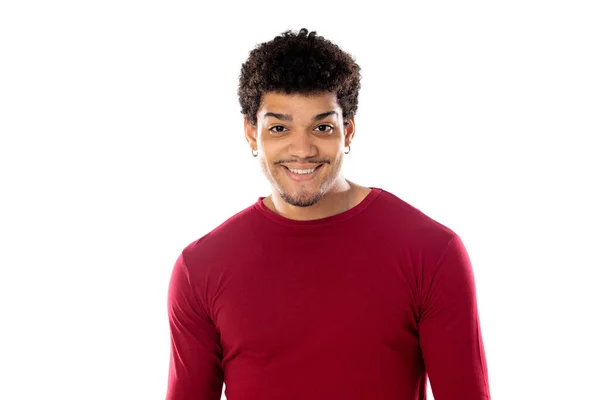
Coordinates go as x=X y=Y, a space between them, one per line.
x=122 y=141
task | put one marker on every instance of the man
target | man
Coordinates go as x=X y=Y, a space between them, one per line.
x=324 y=289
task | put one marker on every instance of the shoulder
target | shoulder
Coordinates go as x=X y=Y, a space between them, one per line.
x=222 y=241
x=405 y=228
x=408 y=217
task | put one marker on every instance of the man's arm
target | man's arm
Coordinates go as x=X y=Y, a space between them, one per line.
x=449 y=330
x=195 y=365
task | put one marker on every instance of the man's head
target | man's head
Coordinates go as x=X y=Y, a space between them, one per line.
x=299 y=95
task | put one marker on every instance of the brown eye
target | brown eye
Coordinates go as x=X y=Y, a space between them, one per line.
x=276 y=130
x=327 y=128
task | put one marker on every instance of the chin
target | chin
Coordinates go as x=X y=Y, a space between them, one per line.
x=299 y=196
x=305 y=199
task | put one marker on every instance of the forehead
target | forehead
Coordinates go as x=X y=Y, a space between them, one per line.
x=298 y=104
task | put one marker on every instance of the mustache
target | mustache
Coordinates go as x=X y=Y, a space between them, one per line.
x=303 y=162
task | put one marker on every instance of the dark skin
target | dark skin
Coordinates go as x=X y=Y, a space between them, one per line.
x=305 y=131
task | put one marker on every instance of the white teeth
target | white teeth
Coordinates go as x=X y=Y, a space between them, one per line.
x=303 y=171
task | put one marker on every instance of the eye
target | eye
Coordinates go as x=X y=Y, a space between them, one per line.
x=320 y=128
x=275 y=130
x=328 y=128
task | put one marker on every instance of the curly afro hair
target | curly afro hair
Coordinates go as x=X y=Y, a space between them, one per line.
x=298 y=63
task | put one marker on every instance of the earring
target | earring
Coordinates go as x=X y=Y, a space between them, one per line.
x=254 y=155
x=346 y=152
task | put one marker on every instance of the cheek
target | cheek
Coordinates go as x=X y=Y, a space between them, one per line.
x=273 y=170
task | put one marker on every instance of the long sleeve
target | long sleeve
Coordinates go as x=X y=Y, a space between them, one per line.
x=449 y=329
x=195 y=370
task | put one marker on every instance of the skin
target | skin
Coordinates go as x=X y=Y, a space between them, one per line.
x=304 y=140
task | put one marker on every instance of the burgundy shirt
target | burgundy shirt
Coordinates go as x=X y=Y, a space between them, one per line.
x=363 y=305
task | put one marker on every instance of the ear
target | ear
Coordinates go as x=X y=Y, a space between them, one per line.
x=250 y=134
x=349 y=128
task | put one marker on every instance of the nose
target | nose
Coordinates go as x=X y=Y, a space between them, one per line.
x=303 y=146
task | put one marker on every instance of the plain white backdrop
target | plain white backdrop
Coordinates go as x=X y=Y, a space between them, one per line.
x=122 y=142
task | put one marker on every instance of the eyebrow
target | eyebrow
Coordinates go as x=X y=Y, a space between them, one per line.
x=288 y=117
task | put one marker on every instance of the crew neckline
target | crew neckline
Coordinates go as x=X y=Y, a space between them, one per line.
x=357 y=209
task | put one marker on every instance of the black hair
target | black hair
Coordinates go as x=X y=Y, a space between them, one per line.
x=302 y=63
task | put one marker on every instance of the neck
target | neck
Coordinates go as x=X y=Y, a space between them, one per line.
x=338 y=199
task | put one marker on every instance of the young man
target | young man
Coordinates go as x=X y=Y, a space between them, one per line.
x=324 y=289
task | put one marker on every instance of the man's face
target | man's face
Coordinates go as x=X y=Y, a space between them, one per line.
x=300 y=132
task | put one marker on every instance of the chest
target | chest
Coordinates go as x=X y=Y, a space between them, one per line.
x=293 y=301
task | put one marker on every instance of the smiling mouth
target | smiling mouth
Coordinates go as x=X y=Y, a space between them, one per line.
x=301 y=171
x=301 y=175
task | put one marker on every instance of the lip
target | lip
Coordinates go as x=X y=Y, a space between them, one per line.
x=301 y=166
x=301 y=178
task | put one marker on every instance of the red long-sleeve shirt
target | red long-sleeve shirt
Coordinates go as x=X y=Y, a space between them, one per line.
x=361 y=305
